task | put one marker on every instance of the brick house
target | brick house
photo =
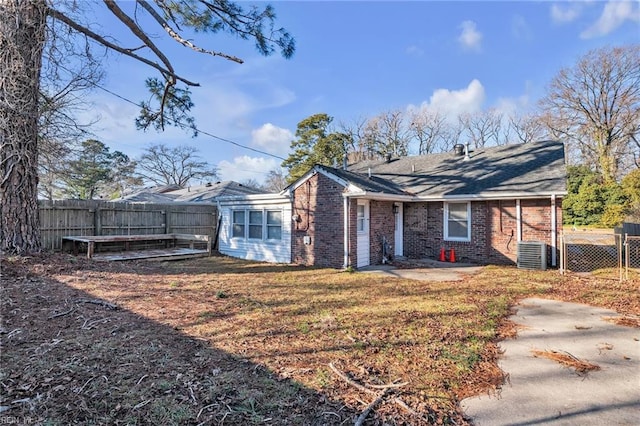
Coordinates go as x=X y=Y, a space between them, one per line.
x=480 y=203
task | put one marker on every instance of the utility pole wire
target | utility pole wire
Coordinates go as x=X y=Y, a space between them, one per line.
x=112 y=93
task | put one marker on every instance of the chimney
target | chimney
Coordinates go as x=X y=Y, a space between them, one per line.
x=466 y=152
x=413 y=168
x=388 y=157
x=369 y=172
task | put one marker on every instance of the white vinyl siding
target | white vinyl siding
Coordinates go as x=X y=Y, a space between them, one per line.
x=457 y=221
x=268 y=219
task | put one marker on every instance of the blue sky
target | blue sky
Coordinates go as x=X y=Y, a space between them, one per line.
x=355 y=60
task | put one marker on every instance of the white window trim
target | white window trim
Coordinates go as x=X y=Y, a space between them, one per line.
x=267 y=225
x=249 y=224
x=364 y=229
x=445 y=222
x=264 y=225
x=244 y=224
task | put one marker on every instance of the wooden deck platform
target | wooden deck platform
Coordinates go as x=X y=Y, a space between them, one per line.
x=170 y=251
x=175 y=253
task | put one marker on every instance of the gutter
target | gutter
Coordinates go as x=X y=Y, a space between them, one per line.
x=467 y=197
x=253 y=199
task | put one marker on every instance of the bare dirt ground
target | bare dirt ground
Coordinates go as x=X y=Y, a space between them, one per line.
x=221 y=341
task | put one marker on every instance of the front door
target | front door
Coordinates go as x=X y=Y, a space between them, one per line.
x=398 y=246
x=362 y=227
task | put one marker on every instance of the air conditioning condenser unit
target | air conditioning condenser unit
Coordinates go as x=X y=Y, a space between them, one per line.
x=532 y=255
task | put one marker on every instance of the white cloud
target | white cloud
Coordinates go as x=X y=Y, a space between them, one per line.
x=470 y=38
x=452 y=103
x=614 y=14
x=414 y=50
x=223 y=107
x=245 y=167
x=116 y=126
x=273 y=139
x=566 y=13
x=520 y=28
x=509 y=106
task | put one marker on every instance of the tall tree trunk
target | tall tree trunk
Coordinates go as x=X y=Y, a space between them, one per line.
x=22 y=38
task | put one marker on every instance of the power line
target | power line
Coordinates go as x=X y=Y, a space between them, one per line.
x=194 y=127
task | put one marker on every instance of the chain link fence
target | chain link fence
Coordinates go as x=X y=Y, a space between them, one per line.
x=588 y=252
x=631 y=250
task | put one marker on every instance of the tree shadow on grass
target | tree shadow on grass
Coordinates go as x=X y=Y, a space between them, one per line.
x=215 y=263
x=68 y=358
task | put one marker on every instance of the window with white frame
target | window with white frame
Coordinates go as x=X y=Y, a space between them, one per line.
x=237 y=227
x=457 y=221
x=360 y=218
x=274 y=225
x=257 y=224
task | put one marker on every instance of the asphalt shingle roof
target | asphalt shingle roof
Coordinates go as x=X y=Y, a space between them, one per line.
x=523 y=169
x=202 y=193
x=366 y=183
x=210 y=192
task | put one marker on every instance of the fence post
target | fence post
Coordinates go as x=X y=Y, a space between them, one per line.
x=167 y=219
x=626 y=256
x=561 y=254
x=97 y=221
x=619 y=244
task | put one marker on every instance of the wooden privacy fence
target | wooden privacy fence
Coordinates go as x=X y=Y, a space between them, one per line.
x=62 y=218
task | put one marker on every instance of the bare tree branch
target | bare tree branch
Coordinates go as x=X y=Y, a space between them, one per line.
x=128 y=52
x=177 y=37
x=595 y=107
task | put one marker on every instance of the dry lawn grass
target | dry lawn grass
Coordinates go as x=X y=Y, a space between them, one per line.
x=222 y=341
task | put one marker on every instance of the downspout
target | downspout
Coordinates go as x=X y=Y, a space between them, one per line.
x=345 y=227
x=518 y=221
x=554 y=230
x=216 y=239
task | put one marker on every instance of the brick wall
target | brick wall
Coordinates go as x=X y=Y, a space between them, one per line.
x=503 y=243
x=381 y=224
x=493 y=230
x=319 y=204
x=415 y=232
x=536 y=222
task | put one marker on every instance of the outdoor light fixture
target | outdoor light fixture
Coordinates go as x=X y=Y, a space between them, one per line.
x=395 y=208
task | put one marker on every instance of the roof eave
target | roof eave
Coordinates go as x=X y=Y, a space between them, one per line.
x=499 y=196
x=444 y=197
x=255 y=198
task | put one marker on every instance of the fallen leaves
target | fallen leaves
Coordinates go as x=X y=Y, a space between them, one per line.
x=567 y=359
x=627 y=321
x=217 y=340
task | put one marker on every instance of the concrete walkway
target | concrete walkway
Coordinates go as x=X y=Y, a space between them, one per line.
x=426 y=270
x=541 y=391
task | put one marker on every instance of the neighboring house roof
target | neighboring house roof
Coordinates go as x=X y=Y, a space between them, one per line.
x=155 y=194
x=212 y=191
x=522 y=170
x=201 y=193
